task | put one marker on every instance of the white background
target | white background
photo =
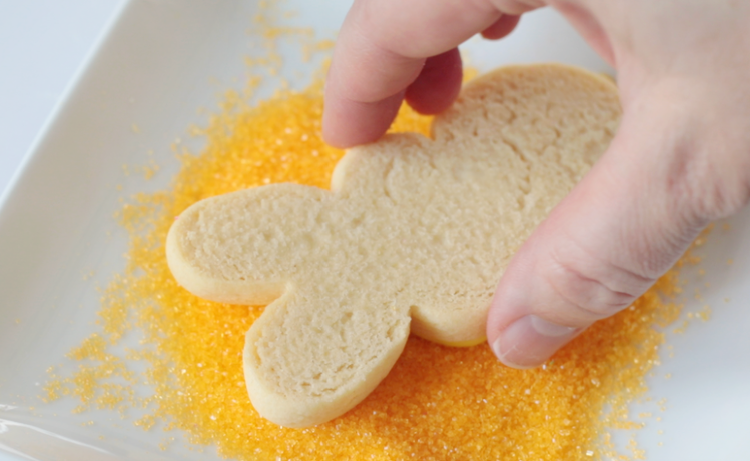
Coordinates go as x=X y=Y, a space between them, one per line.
x=43 y=43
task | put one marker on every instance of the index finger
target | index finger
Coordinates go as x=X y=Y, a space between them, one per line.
x=382 y=47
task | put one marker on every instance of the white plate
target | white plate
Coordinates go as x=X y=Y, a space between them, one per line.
x=159 y=63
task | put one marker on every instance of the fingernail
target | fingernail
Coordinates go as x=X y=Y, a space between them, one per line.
x=530 y=341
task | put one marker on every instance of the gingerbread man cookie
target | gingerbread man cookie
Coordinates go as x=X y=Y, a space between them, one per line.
x=413 y=236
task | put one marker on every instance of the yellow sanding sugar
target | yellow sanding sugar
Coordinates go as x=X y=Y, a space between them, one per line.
x=438 y=403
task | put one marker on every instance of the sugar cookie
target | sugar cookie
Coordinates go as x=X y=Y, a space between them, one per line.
x=413 y=237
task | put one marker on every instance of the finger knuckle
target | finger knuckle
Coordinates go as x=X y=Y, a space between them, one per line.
x=595 y=289
x=709 y=180
x=721 y=197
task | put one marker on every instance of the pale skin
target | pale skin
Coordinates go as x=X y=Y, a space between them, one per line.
x=680 y=159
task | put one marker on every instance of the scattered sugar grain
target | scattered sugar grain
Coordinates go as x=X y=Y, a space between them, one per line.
x=468 y=407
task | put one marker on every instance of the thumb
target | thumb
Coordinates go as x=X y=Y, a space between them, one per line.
x=604 y=245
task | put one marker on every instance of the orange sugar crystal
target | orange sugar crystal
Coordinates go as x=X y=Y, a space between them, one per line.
x=438 y=403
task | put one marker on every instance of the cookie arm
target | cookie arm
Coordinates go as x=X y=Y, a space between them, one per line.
x=244 y=247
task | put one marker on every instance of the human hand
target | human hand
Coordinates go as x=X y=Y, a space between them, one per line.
x=680 y=158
